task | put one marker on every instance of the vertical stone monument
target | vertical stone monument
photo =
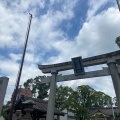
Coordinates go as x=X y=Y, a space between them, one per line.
x=3 y=87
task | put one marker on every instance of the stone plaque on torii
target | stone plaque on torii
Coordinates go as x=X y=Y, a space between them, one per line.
x=110 y=59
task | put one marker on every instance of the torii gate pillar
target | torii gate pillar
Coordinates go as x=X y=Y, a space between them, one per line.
x=51 y=102
x=115 y=78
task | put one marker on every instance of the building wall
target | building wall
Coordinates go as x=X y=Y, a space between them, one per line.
x=23 y=91
x=100 y=116
x=26 y=91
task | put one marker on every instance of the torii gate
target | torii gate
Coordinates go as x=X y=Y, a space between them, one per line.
x=110 y=59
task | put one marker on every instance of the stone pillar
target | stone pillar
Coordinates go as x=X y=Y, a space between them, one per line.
x=1 y=118
x=51 y=102
x=17 y=115
x=115 y=78
x=3 y=87
x=27 y=115
x=58 y=117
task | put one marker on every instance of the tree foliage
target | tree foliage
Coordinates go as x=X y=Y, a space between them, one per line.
x=4 y=111
x=80 y=100
x=118 y=41
x=62 y=96
x=100 y=99
x=37 y=87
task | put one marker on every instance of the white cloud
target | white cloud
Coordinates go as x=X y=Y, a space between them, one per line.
x=97 y=36
x=9 y=67
x=10 y=28
x=15 y=57
x=13 y=25
x=94 y=6
x=15 y=17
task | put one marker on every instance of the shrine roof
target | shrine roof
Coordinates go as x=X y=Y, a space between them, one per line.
x=39 y=105
x=106 y=111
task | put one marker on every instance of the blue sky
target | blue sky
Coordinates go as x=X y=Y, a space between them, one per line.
x=60 y=30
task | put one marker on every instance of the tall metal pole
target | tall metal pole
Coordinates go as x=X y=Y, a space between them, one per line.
x=118 y=4
x=20 y=70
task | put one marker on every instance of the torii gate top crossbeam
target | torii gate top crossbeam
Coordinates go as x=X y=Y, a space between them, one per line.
x=95 y=60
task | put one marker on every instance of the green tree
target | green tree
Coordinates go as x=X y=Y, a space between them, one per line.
x=37 y=87
x=81 y=101
x=84 y=98
x=62 y=96
x=118 y=41
x=4 y=111
x=100 y=99
x=85 y=93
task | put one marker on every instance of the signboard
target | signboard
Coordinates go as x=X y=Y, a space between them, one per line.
x=78 y=66
x=3 y=87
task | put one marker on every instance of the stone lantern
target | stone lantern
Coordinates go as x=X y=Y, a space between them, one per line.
x=28 y=109
x=17 y=115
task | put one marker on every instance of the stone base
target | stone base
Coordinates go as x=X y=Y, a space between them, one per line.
x=1 y=118
x=27 y=117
